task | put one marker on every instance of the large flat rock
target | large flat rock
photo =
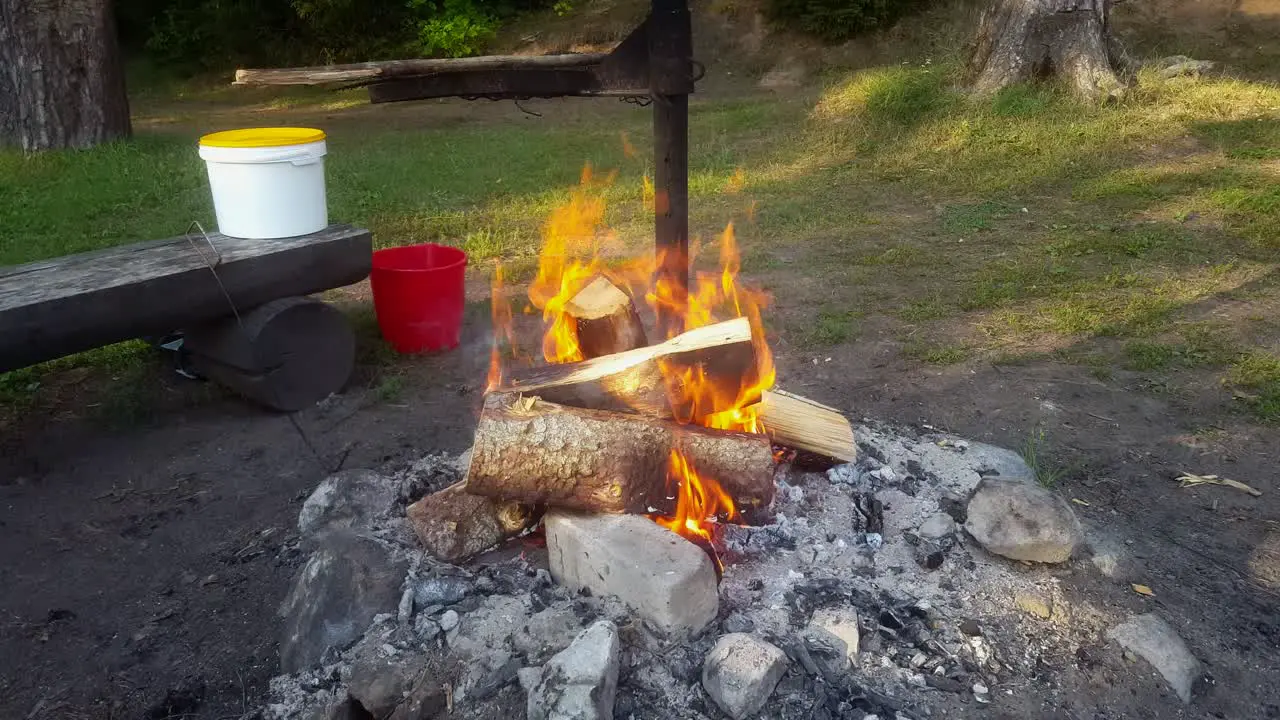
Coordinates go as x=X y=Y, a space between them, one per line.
x=666 y=579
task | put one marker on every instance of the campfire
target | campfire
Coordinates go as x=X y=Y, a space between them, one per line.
x=685 y=430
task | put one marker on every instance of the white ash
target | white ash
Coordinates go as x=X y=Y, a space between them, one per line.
x=912 y=660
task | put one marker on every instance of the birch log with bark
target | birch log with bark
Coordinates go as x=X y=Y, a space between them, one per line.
x=1022 y=40
x=536 y=452
x=61 y=76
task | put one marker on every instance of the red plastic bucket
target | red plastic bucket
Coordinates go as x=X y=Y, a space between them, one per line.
x=418 y=295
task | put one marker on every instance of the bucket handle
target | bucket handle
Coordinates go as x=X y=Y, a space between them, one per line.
x=284 y=155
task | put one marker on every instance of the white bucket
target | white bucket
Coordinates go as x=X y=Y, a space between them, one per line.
x=267 y=182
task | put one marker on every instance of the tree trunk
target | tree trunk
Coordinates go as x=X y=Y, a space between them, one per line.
x=1021 y=40
x=61 y=77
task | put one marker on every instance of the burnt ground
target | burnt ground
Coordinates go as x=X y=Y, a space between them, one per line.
x=143 y=565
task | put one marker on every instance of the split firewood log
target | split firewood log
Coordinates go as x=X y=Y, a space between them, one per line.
x=453 y=524
x=606 y=319
x=532 y=451
x=634 y=381
x=800 y=423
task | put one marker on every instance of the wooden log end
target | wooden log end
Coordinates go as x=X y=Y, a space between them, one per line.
x=454 y=525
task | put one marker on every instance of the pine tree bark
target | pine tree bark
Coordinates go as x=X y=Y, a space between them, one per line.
x=1022 y=40
x=61 y=76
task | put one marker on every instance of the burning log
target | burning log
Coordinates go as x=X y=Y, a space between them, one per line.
x=533 y=451
x=634 y=381
x=802 y=424
x=453 y=524
x=606 y=319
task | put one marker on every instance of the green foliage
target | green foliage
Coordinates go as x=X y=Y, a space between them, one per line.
x=837 y=20
x=193 y=35
x=459 y=29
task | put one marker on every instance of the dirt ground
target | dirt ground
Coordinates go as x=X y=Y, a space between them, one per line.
x=142 y=567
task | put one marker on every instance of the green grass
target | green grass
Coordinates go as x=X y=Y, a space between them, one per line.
x=1020 y=226
x=1033 y=451
x=830 y=327
x=937 y=354
x=1256 y=375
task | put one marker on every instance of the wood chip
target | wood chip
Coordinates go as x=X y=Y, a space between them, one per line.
x=1143 y=590
x=1187 y=479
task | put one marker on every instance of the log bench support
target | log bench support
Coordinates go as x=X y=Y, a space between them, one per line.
x=284 y=351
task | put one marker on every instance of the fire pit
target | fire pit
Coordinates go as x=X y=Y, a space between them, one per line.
x=685 y=431
x=633 y=533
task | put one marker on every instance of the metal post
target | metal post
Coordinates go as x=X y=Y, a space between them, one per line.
x=670 y=82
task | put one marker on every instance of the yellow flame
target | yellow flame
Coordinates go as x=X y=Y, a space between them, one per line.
x=571 y=257
x=699 y=501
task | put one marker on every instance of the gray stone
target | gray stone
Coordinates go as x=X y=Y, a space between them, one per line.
x=579 y=683
x=666 y=579
x=1023 y=521
x=351 y=499
x=528 y=678
x=347 y=581
x=443 y=590
x=491 y=626
x=1002 y=463
x=425 y=628
x=829 y=653
x=449 y=620
x=841 y=622
x=741 y=672
x=546 y=633
x=938 y=526
x=1158 y=643
x=379 y=682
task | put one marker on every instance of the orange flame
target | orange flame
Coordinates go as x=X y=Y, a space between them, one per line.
x=699 y=501
x=500 y=308
x=571 y=257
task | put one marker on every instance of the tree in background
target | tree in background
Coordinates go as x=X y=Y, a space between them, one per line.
x=61 y=78
x=1021 y=40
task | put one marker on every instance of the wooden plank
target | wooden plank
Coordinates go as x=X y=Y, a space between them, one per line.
x=366 y=71
x=57 y=307
x=515 y=83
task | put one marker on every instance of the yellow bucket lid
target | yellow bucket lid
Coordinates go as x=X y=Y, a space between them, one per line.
x=262 y=137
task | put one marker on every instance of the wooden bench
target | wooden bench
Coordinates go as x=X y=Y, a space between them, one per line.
x=284 y=350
